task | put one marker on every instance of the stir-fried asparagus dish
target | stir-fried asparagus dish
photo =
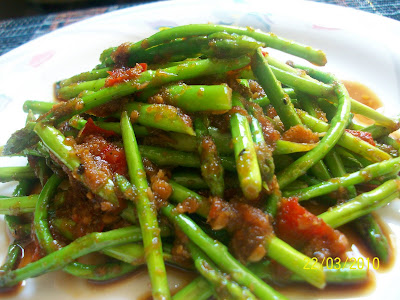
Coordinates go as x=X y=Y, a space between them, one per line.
x=196 y=148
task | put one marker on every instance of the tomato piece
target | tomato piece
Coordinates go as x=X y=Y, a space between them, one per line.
x=115 y=156
x=92 y=129
x=303 y=230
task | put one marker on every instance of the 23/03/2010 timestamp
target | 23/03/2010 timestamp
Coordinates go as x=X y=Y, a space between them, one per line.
x=337 y=263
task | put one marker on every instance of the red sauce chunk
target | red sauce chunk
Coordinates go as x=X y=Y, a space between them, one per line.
x=271 y=135
x=160 y=187
x=300 y=134
x=94 y=138
x=365 y=136
x=189 y=205
x=124 y=74
x=100 y=159
x=303 y=230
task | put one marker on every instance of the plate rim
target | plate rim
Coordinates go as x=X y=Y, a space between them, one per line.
x=112 y=14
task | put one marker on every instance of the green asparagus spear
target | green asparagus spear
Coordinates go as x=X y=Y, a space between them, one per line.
x=38 y=107
x=16 y=173
x=147 y=79
x=59 y=259
x=14 y=253
x=275 y=93
x=197 y=289
x=371 y=232
x=220 y=282
x=17 y=205
x=161 y=116
x=245 y=154
x=168 y=157
x=276 y=248
x=221 y=256
x=271 y=40
x=364 y=175
x=362 y=204
x=213 y=45
x=347 y=140
x=211 y=166
x=336 y=129
x=73 y=90
x=194 y=98
x=85 y=76
x=146 y=211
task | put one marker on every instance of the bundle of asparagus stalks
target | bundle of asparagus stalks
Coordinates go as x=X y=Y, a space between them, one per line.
x=194 y=147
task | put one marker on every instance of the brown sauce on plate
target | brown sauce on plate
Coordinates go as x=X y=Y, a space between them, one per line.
x=10 y=292
x=365 y=95
x=181 y=278
x=300 y=291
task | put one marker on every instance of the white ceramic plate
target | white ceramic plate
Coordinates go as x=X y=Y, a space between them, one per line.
x=359 y=46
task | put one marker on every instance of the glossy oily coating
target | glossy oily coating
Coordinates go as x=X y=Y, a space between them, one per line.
x=196 y=147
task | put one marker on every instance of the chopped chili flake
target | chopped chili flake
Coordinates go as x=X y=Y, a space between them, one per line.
x=264 y=52
x=365 y=136
x=234 y=73
x=124 y=74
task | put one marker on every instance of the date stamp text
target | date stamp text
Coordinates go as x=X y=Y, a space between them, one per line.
x=337 y=263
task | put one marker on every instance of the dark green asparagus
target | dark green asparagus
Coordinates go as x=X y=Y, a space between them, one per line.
x=85 y=76
x=14 y=253
x=274 y=91
x=212 y=45
x=271 y=40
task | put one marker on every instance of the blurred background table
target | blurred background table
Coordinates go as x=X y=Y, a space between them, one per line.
x=24 y=20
